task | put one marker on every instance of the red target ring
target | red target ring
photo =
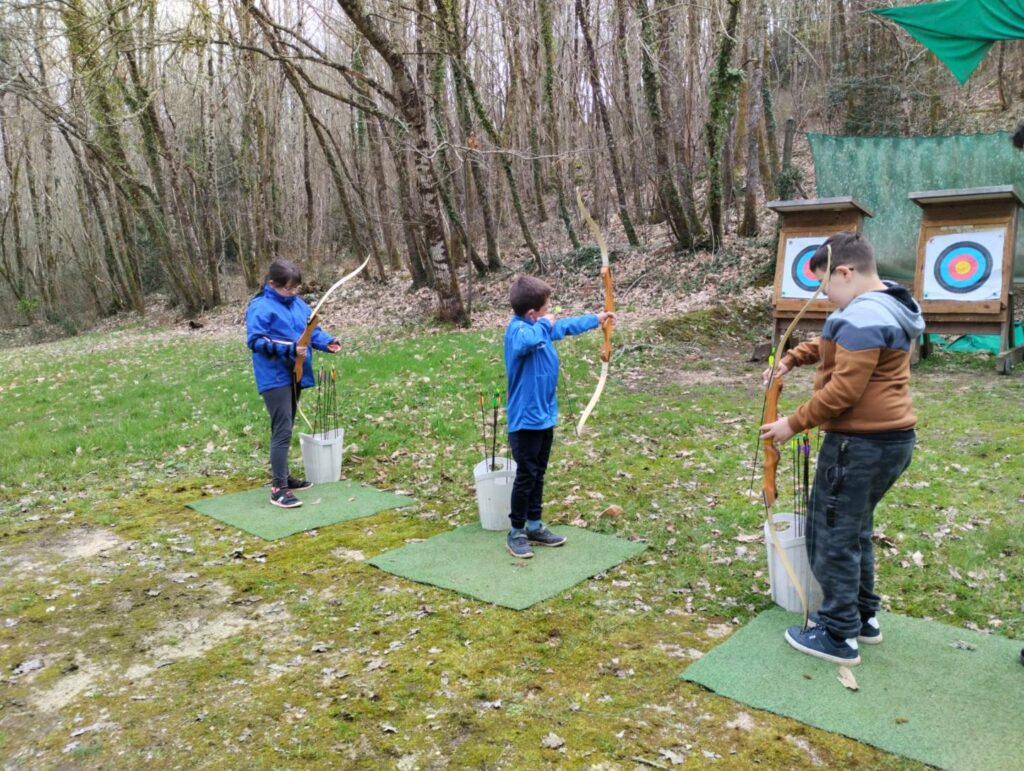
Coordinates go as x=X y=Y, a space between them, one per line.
x=801 y=272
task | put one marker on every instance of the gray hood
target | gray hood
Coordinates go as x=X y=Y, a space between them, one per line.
x=899 y=303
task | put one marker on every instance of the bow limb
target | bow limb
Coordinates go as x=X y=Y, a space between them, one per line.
x=593 y=399
x=781 y=347
x=314 y=317
x=769 y=494
x=338 y=283
x=769 y=490
x=609 y=306
x=770 y=406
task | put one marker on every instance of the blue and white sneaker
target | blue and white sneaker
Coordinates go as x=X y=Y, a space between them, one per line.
x=518 y=545
x=870 y=632
x=541 y=536
x=818 y=642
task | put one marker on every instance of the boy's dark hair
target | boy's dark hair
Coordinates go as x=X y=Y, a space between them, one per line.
x=283 y=273
x=850 y=249
x=528 y=293
x=1018 y=136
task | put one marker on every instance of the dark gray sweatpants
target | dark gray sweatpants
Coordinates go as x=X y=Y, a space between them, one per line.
x=853 y=474
x=281 y=407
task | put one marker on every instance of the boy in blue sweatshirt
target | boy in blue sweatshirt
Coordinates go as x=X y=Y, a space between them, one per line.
x=531 y=365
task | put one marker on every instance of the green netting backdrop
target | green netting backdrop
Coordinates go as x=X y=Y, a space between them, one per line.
x=880 y=171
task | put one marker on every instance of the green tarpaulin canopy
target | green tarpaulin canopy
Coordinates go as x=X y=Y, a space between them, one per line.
x=960 y=32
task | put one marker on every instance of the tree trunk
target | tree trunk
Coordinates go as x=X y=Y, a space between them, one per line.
x=770 y=125
x=723 y=89
x=547 y=36
x=449 y=11
x=410 y=103
x=446 y=174
x=668 y=195
x=748 y=227
x=609 y=136
x=384 y=207
x=414 y=244
x=506 y=165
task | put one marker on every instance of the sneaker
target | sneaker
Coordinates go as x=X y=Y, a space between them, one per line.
x=870 y=632
x=544 y=537
x=298 y=484
x=818 y=642
x=282 y=496
x=518 y=545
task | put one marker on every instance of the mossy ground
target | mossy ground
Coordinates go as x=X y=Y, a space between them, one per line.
x=135 y=632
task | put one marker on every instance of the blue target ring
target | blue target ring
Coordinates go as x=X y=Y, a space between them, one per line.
x=963 y=267
x=801 y=271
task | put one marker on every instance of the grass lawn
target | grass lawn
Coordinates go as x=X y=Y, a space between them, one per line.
x=135 y=632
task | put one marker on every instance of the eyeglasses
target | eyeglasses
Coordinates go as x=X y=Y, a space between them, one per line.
x=828 y=278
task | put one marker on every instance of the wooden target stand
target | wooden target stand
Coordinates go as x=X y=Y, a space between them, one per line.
x=806 y=224
x=964 y=273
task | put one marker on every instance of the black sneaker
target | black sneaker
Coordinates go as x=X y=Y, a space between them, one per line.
x=298 y=484
x=819 y=643
x=282 y=496
x=518 y=546
x=544 y=537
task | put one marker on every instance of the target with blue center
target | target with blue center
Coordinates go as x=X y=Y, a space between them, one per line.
x=963 y=267
x=800 y=269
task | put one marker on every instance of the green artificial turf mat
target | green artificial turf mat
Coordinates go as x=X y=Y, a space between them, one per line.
x=946 y=696
x=473 y=561
x=323 y=504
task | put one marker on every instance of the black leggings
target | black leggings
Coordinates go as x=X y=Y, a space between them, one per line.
x=281 y=403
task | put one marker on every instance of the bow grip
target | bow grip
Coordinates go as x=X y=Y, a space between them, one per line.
x=303 y=341
x=769 y=490
x=609 y=306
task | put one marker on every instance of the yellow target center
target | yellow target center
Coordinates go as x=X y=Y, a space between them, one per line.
x=962 y=267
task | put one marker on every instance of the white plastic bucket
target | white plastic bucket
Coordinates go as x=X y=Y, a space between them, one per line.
x=494 y=491
x=321 y=455
x=789 y=534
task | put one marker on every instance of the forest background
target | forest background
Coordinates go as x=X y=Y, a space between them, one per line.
x=158 y=152
x=156 y=156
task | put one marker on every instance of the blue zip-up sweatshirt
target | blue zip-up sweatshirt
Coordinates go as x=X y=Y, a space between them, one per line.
x=531 y=364
x=273 y=324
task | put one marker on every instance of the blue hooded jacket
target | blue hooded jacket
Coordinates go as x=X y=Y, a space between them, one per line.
x=273 y=324
x=531 y=364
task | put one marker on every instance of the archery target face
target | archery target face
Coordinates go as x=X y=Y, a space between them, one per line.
x=798 y=282
x=964 y=266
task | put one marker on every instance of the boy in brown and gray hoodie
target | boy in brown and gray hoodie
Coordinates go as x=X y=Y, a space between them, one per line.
x=862 y=401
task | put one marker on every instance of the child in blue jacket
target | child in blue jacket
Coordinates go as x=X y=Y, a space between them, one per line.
x=531 y=365
x=274 y=322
